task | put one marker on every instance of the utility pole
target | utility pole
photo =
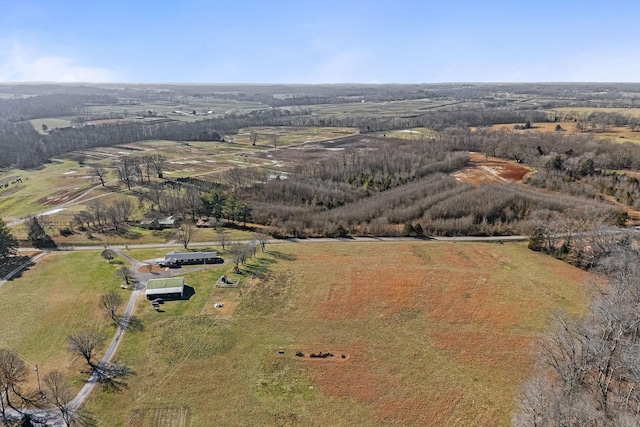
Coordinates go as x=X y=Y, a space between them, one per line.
x=38 y=377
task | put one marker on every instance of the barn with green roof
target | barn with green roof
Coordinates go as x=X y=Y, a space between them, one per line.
x=169 y=288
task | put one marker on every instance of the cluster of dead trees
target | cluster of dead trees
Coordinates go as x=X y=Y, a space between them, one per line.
x=377 y=190
x=137 y=169
x=588 y=372
x=102 y=217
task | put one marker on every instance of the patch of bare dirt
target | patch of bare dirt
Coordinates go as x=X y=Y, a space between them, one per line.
x=151 y=268
x=487 y=170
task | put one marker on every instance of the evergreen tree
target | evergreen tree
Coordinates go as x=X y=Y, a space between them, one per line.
x=37 y=236
x=8 y=242
x=408 y=230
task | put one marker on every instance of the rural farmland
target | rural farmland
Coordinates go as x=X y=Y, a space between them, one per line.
x=444 y=342
x=379 y=255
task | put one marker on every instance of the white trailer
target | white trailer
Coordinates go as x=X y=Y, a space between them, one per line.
x=175 y=259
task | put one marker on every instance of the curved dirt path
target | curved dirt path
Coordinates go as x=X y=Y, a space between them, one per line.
x=79 y=198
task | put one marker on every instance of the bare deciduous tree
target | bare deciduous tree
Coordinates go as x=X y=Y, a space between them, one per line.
x=262 y=238
x=61 y=395
x=13 y=372
x=110 y=303
x=108 y=254
x=125 y=274
x=158 y=162
x=99 y=172
x=185 y=234
x=222 y=237
x=85 y=345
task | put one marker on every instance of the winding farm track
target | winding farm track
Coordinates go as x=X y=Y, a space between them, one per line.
x=79 y=198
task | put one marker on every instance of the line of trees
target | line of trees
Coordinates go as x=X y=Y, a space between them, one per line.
x=100 y=216
x=588 y=372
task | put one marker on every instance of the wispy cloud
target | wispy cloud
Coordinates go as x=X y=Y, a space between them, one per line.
x=19 y=63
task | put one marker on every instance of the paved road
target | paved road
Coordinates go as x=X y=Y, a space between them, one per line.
x=293 y=240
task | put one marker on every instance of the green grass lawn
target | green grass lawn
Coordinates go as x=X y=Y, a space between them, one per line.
x=432 y=334
x=56 y=183
x=51 y=123
x=56 y=297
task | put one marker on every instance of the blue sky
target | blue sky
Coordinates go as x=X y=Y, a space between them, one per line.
x=401 y=41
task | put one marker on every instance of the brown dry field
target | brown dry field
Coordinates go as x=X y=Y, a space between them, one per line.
x=446 y=328
x=487 y=169
x=160 y=417
x=433 y=333
x=616 y=133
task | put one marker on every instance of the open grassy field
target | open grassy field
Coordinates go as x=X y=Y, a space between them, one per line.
x=422 y=333
x=56 y=297
x=180 y=109
x=61 y=180
x=51 y=123
x=58 y=182
x=290 y=135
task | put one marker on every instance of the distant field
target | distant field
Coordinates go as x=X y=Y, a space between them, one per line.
x=413 y=133
x=50 y=123
x=385 y=109
x=180 y=109
x=421 y=334
x=58 y=182
x=289 y=135
x=61 y=180
x=633 y=112
x=620 y=134
x=485 y=169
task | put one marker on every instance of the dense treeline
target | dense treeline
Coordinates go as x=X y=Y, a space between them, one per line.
x=30 y=149
x=18 y=145
x=54 y=105
x=395 y=182
x=589 y=369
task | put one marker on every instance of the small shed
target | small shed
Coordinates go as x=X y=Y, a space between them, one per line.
x=169 y=288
